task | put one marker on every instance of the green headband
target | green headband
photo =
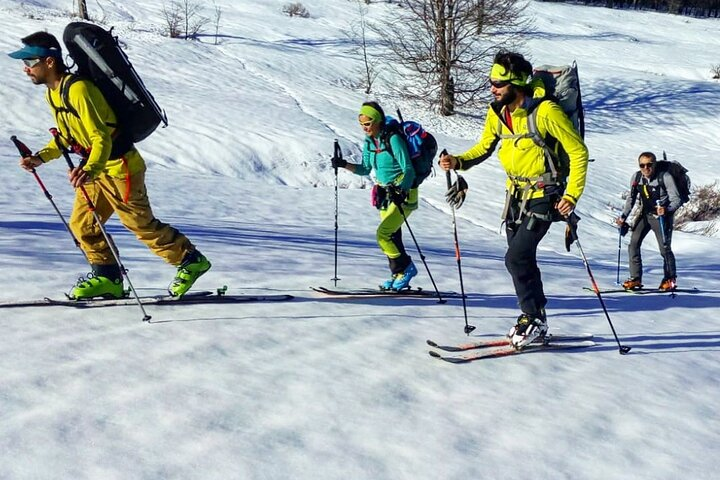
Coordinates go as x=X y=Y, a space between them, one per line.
x=502 y=74
x=372 y=113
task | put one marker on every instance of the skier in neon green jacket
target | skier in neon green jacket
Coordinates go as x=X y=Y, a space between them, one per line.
x=534 y=197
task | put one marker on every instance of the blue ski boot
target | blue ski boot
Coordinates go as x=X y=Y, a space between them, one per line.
x=402 y=280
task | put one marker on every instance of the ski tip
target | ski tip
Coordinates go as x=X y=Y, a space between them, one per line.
x=435 y=354
x=431 y=343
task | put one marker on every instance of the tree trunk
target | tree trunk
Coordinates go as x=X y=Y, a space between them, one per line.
x=447 y=102
x=82 y=9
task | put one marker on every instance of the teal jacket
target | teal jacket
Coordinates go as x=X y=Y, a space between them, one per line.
x=390 y=168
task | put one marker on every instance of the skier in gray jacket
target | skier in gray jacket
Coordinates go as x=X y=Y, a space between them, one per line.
x=660 y=198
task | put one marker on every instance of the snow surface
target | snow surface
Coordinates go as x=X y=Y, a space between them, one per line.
x=323 y=388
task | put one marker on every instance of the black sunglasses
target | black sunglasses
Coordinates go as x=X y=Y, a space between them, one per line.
x=647 y=165
x=500 y=84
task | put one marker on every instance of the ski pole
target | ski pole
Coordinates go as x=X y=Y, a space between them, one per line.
x=26 y=152
x=422 y=257
x=91 y=208
x=661 y=219
x=572 y=220
x=468 y=328
x=617 y=276
x=337 y=153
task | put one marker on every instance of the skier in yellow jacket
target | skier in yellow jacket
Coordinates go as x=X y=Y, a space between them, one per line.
x=113 y=179
x=535 y=196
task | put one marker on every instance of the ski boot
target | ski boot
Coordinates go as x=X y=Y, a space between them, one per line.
x=388 y=284
x=528 y=329
x=632 y=283
x=194 y=265
x=668 y=284
x=402 y=280
x=93 y=286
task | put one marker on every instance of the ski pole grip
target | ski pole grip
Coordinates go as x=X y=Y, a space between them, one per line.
x=337 y=153
x=22 y=148
x=447 y=172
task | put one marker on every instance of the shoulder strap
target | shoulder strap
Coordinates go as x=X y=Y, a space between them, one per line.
x=634 y=187
x=385 y=139
x=534 y=134
x=65 y=106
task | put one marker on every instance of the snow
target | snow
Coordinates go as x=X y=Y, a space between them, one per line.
x=333 y=388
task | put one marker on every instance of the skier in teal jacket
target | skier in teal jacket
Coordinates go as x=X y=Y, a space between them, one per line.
x=385 y=154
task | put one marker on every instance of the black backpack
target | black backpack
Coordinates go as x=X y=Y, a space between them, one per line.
x=99 y=58
x=679 y=174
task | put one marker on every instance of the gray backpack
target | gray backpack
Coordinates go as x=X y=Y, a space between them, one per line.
x=562 y=86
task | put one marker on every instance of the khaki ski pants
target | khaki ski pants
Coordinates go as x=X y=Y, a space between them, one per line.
x=108 y=194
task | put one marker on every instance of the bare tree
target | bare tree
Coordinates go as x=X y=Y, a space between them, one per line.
x=194 y=21
x=358 y=38
x=296 y=9
x=715 y=70
x=173 y=19
x=442 y=49
x=82 y=9
x=218 y=14
x=183 y=17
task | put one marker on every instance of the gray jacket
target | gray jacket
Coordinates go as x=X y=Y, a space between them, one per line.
x=650 y=191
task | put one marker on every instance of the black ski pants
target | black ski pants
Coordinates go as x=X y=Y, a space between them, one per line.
x=521 y=255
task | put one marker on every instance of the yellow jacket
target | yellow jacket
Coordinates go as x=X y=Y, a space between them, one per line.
x=92 y=129
x=523 y=157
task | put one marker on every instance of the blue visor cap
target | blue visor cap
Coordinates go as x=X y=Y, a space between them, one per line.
x=31 y=51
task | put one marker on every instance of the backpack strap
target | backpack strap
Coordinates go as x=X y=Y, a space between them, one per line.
x=661 y=181
x=65 y=108
x=534 y=134
x=634 y=187
x=530 y=184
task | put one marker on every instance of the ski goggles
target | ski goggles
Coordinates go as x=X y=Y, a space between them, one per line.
x=31 y=62
x=646 y=165
x=499 y=83
x=367 y=124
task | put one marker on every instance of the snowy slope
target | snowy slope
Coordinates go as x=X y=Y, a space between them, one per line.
x=332 y=388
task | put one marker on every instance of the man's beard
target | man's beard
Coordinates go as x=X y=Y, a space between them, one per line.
x=508 y=98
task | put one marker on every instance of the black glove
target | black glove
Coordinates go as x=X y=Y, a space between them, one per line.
x=378 y=196
x=455 y=195
x=571 y=229
x=624 y=229
x=338 y=162
x=396 y=195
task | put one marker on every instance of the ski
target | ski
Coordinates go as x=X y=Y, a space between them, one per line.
x=376 y=292
x=504 y=341
x=645 y=291
x=192 y=298
x=510 y=350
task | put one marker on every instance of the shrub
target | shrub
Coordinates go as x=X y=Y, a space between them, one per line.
x=295 y=10
x=715 y=70
x=704 y=205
